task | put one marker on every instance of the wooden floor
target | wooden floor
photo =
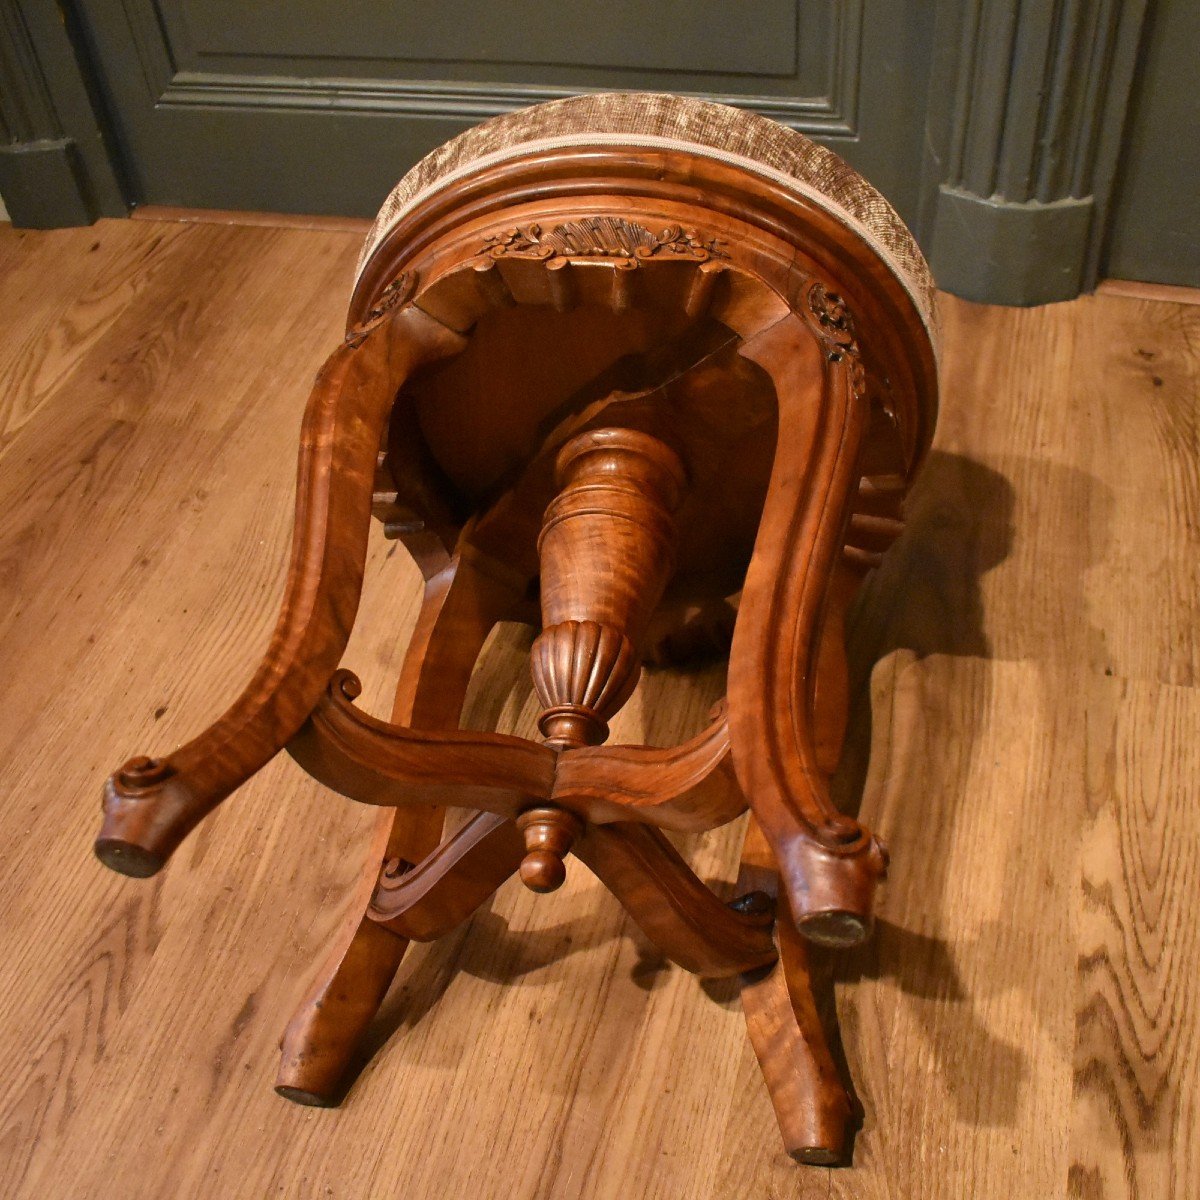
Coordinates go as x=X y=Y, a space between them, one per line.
x=1025 y=1024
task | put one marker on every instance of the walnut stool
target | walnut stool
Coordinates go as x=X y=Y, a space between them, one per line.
x=641 y=371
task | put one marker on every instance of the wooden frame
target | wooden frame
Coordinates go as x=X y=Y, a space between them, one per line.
x=727 y=286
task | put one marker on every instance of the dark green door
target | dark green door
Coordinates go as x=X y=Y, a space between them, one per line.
x=998 y=128
x=319 y=106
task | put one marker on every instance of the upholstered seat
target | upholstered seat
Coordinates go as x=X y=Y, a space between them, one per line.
x=672 y=123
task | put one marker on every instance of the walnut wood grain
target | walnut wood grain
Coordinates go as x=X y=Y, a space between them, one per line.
x=150 y=805
x=460 y=606
x=830 y=863
x=671 y=906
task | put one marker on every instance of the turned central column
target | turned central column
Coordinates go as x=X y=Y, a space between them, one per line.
x=607 y=550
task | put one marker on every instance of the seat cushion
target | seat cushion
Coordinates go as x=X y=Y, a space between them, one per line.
x=675 y=123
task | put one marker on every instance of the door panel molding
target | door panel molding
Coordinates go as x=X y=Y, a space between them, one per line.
x=470 y=102
x=818 y=96
x=55 y=166
x=620 y=35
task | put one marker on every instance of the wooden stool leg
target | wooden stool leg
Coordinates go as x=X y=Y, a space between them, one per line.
x=460 y=607
x=830 y=864
x=151 y=804
x=785 y=1029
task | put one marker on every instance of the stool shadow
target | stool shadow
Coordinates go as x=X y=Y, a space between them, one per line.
x=927 y=600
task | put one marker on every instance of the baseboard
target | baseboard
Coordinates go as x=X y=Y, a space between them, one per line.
x=1136 y=289
x=995 y=251
x=235 y=216
x=42 y=185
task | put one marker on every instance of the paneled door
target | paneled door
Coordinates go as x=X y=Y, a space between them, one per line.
x=318 y=106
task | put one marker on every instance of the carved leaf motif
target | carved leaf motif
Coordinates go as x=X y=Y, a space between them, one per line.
x=602 y=237
x=830 y=310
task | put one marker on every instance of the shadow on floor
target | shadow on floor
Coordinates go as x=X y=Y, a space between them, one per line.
x=927 y=600
x=963 y=520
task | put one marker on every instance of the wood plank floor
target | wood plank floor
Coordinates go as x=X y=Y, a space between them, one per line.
x=1025 y=1024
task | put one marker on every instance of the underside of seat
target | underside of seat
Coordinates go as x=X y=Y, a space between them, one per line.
x=681 y=125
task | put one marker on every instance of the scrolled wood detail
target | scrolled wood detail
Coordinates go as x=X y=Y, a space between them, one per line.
x=375 y=762
x=687 y=787
x=426 y=900
x=638 y=864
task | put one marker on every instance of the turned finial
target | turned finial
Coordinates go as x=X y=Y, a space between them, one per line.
x=549 y=835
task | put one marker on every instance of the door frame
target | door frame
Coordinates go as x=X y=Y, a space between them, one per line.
x=59 y=165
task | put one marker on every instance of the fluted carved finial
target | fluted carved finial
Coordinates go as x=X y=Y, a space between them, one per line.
x=607 y=550
x=584 y=672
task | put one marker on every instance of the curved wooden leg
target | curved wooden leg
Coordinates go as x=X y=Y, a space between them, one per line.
x=151 y=805
x=829 y=863
x=461 y=605
x=672 y=907
x=323 y=1034
x=810 y=1103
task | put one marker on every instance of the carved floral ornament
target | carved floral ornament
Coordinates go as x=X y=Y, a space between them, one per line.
x=835 y=327
x=398 y=292
x=602 y=237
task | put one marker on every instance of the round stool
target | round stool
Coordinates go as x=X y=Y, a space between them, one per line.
x=653 y=375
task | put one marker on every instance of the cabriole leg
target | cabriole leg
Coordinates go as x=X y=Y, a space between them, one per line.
x=829 y=864
x=460 y=607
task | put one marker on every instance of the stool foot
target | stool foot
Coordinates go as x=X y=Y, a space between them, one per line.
x=811 y=1104
x=320 y=1040
x=461 y=605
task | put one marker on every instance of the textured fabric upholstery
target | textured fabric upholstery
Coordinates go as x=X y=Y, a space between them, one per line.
x=673 y=122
